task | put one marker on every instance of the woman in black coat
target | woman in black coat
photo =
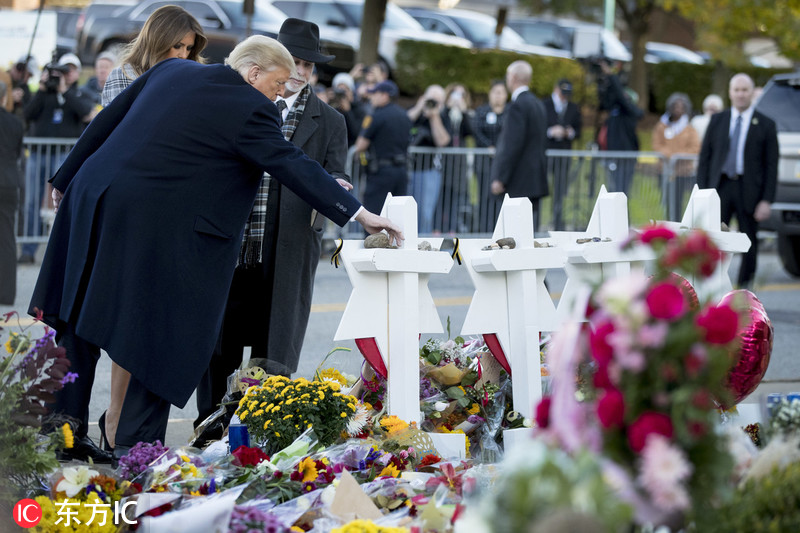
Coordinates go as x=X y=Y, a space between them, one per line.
x=155 y=197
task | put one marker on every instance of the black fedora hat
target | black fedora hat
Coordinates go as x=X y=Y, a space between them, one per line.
x=301 y=38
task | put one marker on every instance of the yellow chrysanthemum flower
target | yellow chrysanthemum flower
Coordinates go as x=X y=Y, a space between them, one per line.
x=69 y=438
x=474 y=409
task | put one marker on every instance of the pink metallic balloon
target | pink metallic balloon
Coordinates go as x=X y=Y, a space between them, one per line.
x=756 y=336
x=687 y=290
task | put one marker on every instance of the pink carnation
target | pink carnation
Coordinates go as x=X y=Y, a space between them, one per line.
x=720 y=323
x=647 y=424
x=666 y=301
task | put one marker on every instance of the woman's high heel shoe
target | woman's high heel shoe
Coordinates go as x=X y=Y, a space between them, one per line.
x=102 y=422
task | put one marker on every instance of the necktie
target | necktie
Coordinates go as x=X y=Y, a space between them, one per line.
x=729 y=168
x=281 y=106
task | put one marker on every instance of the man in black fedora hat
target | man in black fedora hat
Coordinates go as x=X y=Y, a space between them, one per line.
x=270 y=297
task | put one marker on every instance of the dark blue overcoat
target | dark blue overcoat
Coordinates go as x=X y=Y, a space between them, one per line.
x=157 y=191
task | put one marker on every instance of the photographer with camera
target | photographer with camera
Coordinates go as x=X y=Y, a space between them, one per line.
x=342 y=98
x=19 y=92
x=620 y=126
x=58 y=109
x=428 y=130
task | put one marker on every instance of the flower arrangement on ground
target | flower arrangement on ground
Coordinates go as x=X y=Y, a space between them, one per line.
x=540 y=485
x=83 y=498
x=654 y=362
x=31 y=371
x=280 y=409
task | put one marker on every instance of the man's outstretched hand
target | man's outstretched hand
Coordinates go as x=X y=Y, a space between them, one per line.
x=373 y=224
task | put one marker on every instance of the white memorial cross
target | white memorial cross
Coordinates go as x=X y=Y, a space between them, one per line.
x=511 y=304
x=597 y=260
x=391 y=303
x=703 y=212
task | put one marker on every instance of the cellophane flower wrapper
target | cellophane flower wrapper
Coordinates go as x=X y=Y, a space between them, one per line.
x=179 y=470
x=289 y=512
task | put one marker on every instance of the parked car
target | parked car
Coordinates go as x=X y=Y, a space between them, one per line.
x=658 y=52
x=479 y=28
x=781 y=102
x=223 y=21
x=342 y=19
x=580 y=39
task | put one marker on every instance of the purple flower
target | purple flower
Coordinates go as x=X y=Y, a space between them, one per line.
x=139 y=457
x=69 y=378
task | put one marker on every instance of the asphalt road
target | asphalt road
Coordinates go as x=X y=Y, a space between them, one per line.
x=452 y=293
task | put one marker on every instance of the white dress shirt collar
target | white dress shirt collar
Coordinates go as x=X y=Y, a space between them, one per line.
x=517 y=92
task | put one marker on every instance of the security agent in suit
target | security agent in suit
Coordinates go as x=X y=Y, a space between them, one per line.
x=520 y=165
x=384 y=138
x=11 y=132
x=270 y=298
x=564 y=124
x=151 y=203
x=739 y=158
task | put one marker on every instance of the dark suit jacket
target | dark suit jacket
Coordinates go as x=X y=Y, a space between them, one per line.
x=291 y=246
x=157 y=192
x=570 y=117
x=520 y=162
x=760 y=157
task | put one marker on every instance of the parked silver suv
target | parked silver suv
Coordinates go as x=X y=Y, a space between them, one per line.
x=781 y=102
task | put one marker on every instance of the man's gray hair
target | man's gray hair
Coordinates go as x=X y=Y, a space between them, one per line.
x=260 y=51
x=522 y=71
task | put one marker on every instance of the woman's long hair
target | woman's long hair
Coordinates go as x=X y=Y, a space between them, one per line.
x=162 y=30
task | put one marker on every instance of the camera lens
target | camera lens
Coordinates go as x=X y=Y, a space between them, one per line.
x=430 y=103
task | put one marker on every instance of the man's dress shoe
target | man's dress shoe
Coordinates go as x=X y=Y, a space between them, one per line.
x=84 y=449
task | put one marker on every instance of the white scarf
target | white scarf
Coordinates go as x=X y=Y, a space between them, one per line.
x=673 y=129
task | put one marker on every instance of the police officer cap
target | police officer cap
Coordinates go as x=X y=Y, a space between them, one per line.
x=389 y=87
x=565 y=85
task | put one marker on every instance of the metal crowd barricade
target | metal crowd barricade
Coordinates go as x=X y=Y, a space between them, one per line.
x=451 y=187
x=679 y=177
x=465 y=207
x=43 y=157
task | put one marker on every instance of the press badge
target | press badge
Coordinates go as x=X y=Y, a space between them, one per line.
x=58 y=116
x=491 y=117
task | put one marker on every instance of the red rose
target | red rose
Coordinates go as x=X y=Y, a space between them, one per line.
x=721 y=323
x=651 y=233
x=702 y=399
x=543 y=412
x=598 y=341
x=611 y=408
x=666 y=301
x=648 y=423
x=245 y=456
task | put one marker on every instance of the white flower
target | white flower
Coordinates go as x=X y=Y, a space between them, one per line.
x=440 y=406
x=618 y=293
x=327 y=495
x=75 y=479
x=358 y=421
x=449 y=345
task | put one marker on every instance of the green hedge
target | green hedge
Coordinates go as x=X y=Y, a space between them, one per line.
x=421 y=64
x=698 y=81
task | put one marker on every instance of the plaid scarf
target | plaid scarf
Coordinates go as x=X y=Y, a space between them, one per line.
x=250 y=252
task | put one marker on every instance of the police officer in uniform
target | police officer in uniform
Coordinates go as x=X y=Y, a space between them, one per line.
x=384 y=140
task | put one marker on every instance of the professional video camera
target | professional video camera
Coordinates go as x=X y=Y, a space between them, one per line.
x=54 y=73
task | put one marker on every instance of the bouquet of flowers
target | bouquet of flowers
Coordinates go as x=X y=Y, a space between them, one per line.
x=280 y=409
x=82 y=498
x=30 y=373
x=653 y=362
